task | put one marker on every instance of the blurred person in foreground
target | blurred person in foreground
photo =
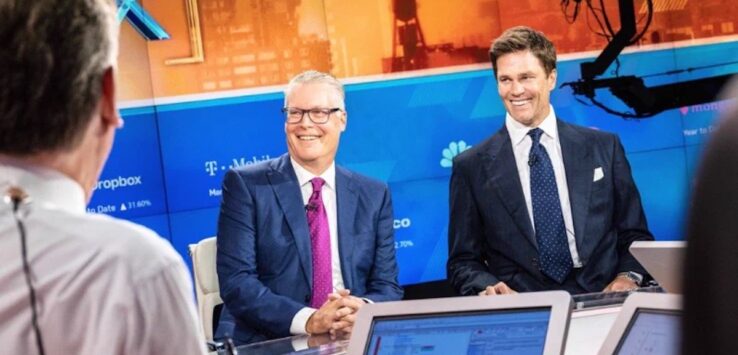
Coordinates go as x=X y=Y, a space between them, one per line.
x=73 y=282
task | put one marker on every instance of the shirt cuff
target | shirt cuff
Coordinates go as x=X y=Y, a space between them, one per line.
x=299 y=321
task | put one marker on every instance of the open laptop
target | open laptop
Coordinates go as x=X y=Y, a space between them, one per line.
x=663 y=260
x=529 y=323
x=648 y=323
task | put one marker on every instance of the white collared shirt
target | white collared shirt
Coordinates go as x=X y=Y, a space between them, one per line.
x=103 y=285
x=521 y=144
x=329 y=201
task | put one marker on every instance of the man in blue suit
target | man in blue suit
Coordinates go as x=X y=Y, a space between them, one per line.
x=542 y=204
x=303 y=243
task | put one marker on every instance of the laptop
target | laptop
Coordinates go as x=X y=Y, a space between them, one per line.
x=663 y=260
x=648 y=323
x=529 y=323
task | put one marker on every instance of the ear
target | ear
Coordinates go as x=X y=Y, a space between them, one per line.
x=552 y=80
x=344 y=121
x=108 y=106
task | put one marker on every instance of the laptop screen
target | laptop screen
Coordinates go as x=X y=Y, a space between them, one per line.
x=652 y=332
x=516 y=331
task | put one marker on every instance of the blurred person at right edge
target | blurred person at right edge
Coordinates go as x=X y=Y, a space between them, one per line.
x=710 y=324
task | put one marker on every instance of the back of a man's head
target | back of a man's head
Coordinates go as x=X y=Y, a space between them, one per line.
x=77 y=284
x=53 y=56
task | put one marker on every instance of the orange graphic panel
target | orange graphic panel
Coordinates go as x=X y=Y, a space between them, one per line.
x=257 y=43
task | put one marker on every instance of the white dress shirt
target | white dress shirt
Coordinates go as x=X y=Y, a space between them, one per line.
x=521 y=143
x=103 y=285
x=329 y=201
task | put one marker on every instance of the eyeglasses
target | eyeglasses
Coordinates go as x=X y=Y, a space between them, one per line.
x=316 y=115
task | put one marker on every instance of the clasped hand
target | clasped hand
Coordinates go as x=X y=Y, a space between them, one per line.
x=336 y=316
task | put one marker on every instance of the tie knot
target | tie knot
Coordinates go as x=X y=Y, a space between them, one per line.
x=317 y=184
x=535 y=135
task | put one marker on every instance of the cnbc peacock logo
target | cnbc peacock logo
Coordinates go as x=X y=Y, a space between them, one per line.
x=454 y=149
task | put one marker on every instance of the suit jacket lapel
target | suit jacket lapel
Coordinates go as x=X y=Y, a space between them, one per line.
x=284 y=183
x=502 y=172
x=579 y=165
x=346 y=206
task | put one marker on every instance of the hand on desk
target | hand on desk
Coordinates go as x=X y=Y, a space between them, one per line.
x=322 y=320
x=346 y=314
x=499 y=288
x=621 y=283
x=337 y=315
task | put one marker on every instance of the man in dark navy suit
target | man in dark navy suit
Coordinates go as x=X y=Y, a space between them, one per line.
x=542 y=204
x=303 y=243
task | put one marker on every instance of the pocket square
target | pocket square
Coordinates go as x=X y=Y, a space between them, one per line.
x=598 y=174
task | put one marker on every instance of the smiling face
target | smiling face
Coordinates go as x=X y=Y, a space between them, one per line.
x=313 y=145
x=524 y=87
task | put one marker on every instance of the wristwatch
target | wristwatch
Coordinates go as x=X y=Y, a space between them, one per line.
x=632 y=276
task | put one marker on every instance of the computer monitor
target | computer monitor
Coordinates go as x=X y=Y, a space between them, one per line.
x=531 y=323
x=648 y=324
x=663 y=260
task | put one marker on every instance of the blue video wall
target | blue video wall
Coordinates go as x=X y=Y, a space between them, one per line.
x=168 y=162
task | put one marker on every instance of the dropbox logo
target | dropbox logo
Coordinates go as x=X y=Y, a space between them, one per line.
x=454 y=149
x=117 y=183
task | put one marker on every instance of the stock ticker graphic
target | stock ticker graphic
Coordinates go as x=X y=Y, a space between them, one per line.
x=168 y=162
x=131 y=184
x=114 y=184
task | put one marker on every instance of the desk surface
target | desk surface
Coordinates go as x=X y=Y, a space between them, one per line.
x=588 y=330
x=592 y=317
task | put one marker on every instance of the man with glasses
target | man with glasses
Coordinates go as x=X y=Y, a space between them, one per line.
x=303 y=243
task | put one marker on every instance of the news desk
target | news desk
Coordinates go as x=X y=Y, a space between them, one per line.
x=592 y=317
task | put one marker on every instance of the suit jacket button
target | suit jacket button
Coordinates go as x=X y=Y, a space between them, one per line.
x=535 y=262
x=307 y=299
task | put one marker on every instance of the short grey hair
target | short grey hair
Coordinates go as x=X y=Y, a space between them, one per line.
x=52 y=61
x=313 y=77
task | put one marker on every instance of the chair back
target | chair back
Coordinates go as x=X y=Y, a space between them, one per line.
x=206 y=282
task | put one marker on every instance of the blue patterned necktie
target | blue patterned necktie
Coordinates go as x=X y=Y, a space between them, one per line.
x=553 y=247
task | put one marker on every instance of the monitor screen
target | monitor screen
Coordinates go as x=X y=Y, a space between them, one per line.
x=652 y=332
x=517 y=331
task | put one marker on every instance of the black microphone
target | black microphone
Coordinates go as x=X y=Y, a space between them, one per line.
x=311 y=207
x=17 y=196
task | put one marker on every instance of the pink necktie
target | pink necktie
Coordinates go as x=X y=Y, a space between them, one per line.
x=320 y=243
